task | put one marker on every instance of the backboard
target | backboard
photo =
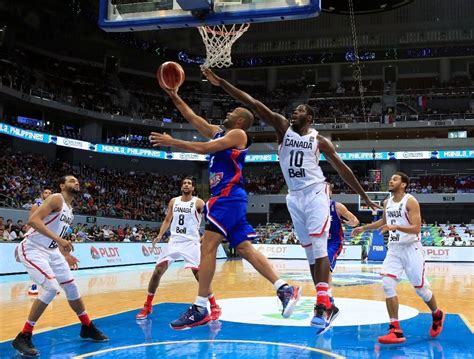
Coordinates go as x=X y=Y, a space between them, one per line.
x=376 y=197
x=140 y=15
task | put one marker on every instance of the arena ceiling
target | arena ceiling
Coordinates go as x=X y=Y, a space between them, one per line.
x=362 y=6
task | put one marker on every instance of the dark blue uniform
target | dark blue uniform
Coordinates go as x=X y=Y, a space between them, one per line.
x=336 y=236
x=227 y=207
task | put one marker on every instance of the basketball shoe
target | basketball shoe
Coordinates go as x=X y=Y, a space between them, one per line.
x=192 y=317
x=289 y=296
x=216 y=312
x=394 y=336
x=91 y=332
x=25 y=346
x=437 y=325
x=323 y=317
x=145 y=312
x=33 y=290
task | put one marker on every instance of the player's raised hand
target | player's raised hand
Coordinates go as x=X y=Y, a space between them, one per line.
x=72 y=261
x=160 y=139
x=356 y=231
x=212 y=77
x=387 y=227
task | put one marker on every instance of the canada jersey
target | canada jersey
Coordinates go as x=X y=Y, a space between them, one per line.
x=396 y=214
x=57 y=222
x=186 y=220
x=225 y=171
x=299 y=160
x=336 y=234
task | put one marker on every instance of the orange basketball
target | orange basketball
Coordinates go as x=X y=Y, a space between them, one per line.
x=170 y=75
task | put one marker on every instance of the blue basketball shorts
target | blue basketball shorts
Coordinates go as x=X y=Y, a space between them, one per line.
x=229 y=216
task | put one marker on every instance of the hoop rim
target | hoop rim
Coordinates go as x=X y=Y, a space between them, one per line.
x=208 y=28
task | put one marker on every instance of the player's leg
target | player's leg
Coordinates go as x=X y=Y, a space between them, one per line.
x=392 y=269
x=288 y=294
x=36 y=261
x=414 y=264
x=64 y=276
x=216 y=310
x=153 y=284
x=197 y=314
x=191 y=253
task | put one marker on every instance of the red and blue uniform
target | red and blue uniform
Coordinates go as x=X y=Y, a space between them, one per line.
x=336 y=236
x=226 y=210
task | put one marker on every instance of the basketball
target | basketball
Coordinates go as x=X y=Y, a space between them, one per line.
x=170 y=75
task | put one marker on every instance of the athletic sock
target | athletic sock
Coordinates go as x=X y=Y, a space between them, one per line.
x=322 y=296
x=201 y=302
x=279 y=283
x=149 y=299
x=212 y=299
x=395 y=323
x=84 y=318
x=29 y=326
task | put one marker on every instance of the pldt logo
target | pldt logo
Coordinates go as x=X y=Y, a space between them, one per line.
x=148 y=251
x=107 y=252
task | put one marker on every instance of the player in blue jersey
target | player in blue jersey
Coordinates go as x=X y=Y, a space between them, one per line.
x=226 y=210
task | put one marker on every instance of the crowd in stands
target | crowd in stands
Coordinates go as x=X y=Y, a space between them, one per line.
x=104 y=192
x=87 y=86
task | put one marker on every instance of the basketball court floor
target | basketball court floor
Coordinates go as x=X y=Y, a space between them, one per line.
x=251 y=325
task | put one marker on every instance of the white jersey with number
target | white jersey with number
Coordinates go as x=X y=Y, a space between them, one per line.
x=186 y=220
x=299 y=160
x=57 y=222
x=396 y=214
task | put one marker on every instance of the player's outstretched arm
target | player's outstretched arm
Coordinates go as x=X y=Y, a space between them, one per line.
x=53 y=203
x=204 y=128
x=166 y=222
x=350 y=218
x=279 y=122
x=235 y=138
x=327 y=148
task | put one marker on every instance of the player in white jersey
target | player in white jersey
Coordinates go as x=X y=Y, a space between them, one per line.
x=47 y=259
x=308 y=197
x=402 y=221
x=183 y=218
x=44 y=194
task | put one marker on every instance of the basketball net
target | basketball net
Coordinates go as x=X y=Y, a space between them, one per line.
x=218 y=40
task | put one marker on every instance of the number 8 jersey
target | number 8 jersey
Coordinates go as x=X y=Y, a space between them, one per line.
x=186 y=220
x=299 y=160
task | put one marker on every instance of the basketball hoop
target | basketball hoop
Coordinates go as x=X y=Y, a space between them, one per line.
x=218 y=40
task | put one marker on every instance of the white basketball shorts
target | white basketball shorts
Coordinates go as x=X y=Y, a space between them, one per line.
x=406 y=258
x=189 y=251
x=309 y=211
x=43 y=263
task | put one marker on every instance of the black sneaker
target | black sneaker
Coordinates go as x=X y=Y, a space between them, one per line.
x=91 y=332
x=24 y=345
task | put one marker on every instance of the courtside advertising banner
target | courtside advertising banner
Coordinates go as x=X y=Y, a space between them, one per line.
x=96 y=254
x=282 y=251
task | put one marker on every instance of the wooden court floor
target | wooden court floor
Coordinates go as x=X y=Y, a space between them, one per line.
x=112 y=290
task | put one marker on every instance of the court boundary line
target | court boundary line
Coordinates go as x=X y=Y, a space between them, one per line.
x=466 y=322
x=316 y=350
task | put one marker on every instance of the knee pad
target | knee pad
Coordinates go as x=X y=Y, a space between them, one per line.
x=424 y=293
x=310 y=255
x=71 y=290
x=389 y=287
x=50 y=287
x=320 y=247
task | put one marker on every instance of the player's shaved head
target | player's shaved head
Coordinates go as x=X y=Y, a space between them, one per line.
x=247 y=117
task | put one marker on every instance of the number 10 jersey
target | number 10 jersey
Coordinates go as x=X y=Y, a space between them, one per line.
x=299 y=160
